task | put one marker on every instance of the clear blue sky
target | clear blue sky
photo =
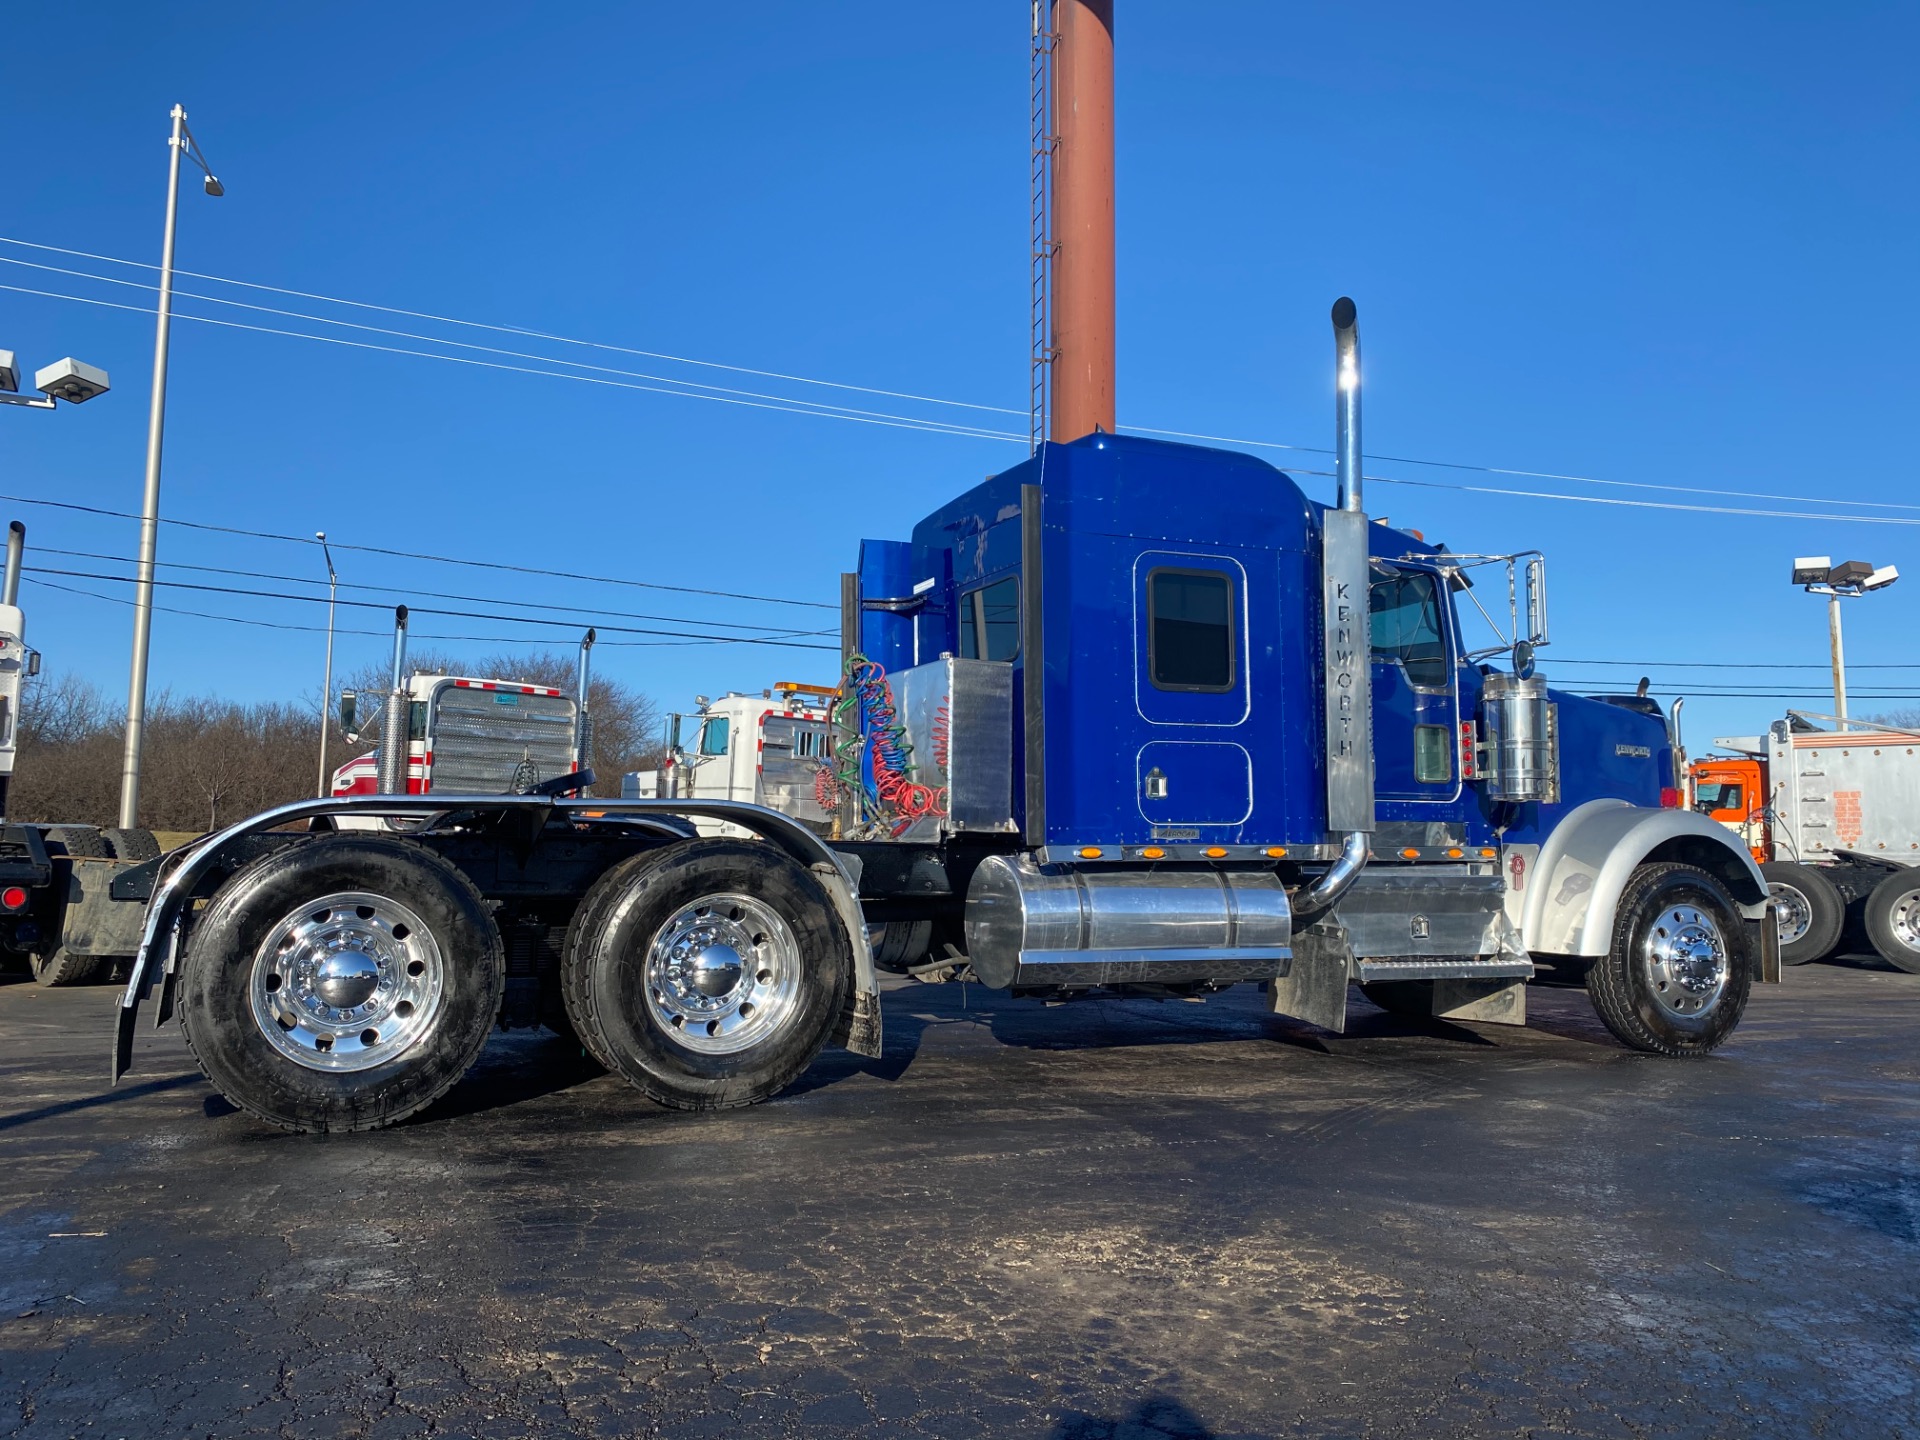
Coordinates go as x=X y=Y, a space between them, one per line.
x=1672 y=245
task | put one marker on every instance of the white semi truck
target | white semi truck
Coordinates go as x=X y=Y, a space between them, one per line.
x=64 y=907
x=766 y=749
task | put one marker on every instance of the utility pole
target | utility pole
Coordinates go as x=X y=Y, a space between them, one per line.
x=180 y=143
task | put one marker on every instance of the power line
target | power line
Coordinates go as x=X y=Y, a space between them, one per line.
x=864 y=389
x=834 y=411
x=1509 y=493
x=418 y=555
x=1719 y=664
x=938 y=427
x=428 y=610
x=591 y=612
x=517 y=330
x=976 y=433
x=321 y=629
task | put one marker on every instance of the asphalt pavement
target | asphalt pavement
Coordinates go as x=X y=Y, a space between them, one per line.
x=1101 y=1219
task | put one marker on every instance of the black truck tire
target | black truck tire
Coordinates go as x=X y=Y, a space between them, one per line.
x=1676 y=978
x=1811 y=909
x=81 y=841
x=373 y=961
x=711 y=977
x=1893 y=920
x=587 y=921
x=63 y=968
x=133 y=846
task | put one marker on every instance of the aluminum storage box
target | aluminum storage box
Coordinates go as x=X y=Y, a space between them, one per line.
x=958 y=716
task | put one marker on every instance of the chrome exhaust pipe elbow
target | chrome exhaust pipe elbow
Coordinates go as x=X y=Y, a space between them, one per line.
x=1325 y=893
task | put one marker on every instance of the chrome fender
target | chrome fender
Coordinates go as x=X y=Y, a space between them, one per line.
x=1574 y=889
x=159 y=954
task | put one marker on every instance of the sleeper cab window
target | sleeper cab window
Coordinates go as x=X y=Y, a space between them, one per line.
x=1190 y=641
x=1406 y=626
x=990 y=621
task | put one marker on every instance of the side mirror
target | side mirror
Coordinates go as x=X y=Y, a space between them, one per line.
x=33 y=663
x=671 y=737
x=1523 y=659
x=349 y=712
x=1537 y=600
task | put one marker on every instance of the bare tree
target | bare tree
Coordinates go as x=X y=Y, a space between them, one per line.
x=210 y=761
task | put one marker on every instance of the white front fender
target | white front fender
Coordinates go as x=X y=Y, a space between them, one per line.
x=1575 y=884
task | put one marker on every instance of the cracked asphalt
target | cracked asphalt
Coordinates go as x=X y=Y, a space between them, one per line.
x=1104 y=1219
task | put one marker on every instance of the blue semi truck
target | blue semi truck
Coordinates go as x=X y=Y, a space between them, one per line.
x=1131 y=717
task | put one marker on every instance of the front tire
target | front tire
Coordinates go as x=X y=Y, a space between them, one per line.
x=1676 y=978
x=1893 y=920
x=1811 y=910
x=341 y=984
x=709 y=975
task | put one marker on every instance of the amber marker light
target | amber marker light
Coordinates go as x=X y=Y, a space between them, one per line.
x=1277 y=852
x=1215 y=852
x=1091 y=852
x=1409 y=854
x=1153 y=852
x=1487 y=854
x=1455 y=854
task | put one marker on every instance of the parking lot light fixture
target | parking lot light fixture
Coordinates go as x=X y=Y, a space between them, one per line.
x=1850 y=579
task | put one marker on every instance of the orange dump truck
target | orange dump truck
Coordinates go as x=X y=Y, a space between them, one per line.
x=1833 y=817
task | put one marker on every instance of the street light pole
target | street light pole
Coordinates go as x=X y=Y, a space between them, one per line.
x=1818 y=575
x=326 y=684
x=180 y=143
x=1839 y=659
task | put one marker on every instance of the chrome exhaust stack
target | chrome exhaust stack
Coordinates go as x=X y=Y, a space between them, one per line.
x=16 y=549
x=392 y=766
x=1346 y=644
x=583 y=741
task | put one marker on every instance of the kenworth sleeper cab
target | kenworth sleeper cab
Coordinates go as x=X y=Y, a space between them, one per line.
x=1131 y=715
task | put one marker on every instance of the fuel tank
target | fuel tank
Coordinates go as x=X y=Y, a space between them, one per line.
x=1034 y=925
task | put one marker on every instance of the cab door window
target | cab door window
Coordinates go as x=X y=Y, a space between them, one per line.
x=1407 y=629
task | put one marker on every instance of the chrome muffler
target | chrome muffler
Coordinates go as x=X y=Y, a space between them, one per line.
x=1034 y=925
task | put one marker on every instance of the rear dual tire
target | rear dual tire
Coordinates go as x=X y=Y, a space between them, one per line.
x=62 y=967
x=1893 y=920
x=1811 y=911
x=708 y=974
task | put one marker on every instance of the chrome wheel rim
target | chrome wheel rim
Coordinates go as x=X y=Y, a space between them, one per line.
x=1792 y=910
x=1903 y=918
x=1685 y=960
x=722 y=974
x=347 y=982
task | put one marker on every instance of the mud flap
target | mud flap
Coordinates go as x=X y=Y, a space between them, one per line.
x=1489 y=1002
x=1315 y=987
x=1769 y=946
x=858 y=1028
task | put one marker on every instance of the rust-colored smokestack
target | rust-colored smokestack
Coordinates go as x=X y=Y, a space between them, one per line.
x=1083 y=219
